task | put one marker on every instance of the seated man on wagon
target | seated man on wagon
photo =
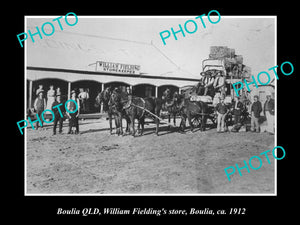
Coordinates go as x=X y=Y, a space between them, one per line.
x=200 y=89
x=208 y=84
x=219 y=84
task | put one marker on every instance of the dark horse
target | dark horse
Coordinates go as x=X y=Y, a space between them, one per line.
x=193 y=110
x=142 y=107
x=171 y=104
x=112 y=109
x=116 y=104
x=137 y=108
x=104 y=97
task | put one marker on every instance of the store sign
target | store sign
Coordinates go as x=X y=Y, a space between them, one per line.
x=111 y=67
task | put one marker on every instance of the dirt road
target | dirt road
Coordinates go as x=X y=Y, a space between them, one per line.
x=96 y=162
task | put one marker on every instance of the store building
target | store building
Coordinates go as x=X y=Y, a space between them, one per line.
x=75 y=61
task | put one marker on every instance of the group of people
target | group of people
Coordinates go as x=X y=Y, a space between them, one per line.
x=238 y=110
x=54 y=98
x=213 y=82
x=210 y=83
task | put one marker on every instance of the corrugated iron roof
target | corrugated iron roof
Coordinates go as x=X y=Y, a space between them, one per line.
x=67 y=50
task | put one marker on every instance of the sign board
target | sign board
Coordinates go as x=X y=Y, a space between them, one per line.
x=112 y=67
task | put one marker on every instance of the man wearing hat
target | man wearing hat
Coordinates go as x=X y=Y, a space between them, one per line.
x=208 y=83
x=256 y=109
x=39 y=89
x=39 y=105
x=238 y=108
x=73 y=122
x=269 y=112
x=58 y=115
x=219 y=83
x=200 y=86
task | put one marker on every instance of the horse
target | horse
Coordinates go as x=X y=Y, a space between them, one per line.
x=105 y=97
x=171 y=105
x=136 y=108
x=116 y=104
x=197 y=110
x=140 y=108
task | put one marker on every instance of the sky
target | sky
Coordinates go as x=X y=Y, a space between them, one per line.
x=252 y=37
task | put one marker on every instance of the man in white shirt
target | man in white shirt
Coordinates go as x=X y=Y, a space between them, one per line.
x=219 y=84
x=83 y=97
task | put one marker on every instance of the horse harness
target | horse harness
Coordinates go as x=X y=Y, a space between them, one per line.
x=137 y=106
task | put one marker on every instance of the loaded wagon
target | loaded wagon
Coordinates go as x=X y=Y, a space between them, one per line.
x=221 y=60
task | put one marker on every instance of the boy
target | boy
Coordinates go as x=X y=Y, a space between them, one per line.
x=222 y=112
x=256 y=109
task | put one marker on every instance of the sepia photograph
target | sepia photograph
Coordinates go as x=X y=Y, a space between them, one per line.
x=150 y=105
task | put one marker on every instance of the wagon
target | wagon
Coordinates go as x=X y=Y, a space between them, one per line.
x=212 y=114
x=196 y=121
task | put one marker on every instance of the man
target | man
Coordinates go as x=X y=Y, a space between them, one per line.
x=83 y=97
x=73 y=121
x=39 y=89
x=238 y=108
x=256 y=109
x=58 y=117
x=222 y=112
x=128 y=90
x=219 y=84
x=269 y=113
x=208 y=84
x=200 y=86
x=39 y=105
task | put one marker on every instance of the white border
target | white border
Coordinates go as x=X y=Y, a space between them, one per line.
x=163 y=17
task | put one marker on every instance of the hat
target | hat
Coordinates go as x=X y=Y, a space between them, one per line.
x=39 y=91
x=213 y=74
x=73 y=92
x=219 y=73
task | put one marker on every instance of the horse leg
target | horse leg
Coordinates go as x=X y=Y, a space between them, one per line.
x=139 y=126
x=132 y=125
x=190 y=121
x=121 y=124
x=182 y=123
x=174 y=119
x=203 y=123
x=157 y=126
x=127 y=124
x=117 y=125
x=142 y=122
x=110 y=122
x=169 y=120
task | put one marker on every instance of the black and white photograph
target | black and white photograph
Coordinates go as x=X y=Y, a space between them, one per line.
x=142 y=112
x=150 y=105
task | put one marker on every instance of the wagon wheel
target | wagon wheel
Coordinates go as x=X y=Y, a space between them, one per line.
x=196 y=121
x=213 y=118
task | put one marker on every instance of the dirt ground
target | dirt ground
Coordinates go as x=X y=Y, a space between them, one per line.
x=95 y=162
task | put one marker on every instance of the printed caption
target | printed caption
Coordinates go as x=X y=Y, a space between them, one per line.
x=150 y=211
